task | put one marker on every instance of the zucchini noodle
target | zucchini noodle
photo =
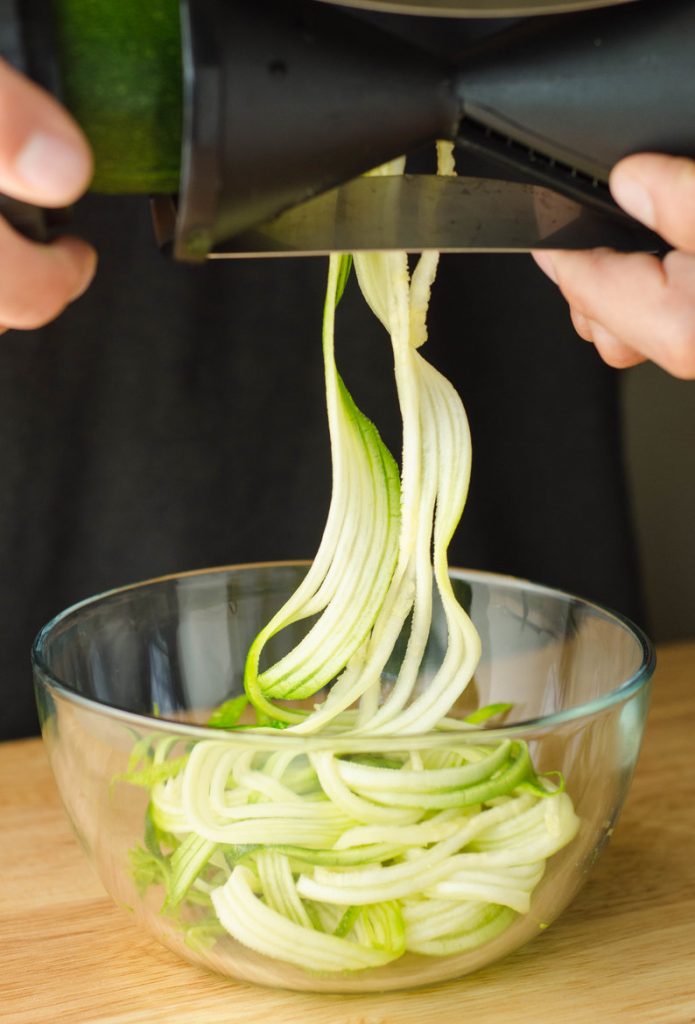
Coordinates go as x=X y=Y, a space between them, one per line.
x=337 y=861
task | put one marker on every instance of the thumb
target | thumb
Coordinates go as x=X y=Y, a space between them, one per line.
x=44 y=157
x=659 y=191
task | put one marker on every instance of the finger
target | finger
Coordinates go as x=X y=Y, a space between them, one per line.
x=38 y=281
x=544 y=260
x=659 y=191
x=611 y=349
x=44 y=157
x=582 y=324
x=648 y=305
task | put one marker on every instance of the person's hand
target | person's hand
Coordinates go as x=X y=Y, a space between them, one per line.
x=634 y=306
x=44 y=159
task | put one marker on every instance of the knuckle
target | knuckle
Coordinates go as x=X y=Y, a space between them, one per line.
x=581 y=324
x=612 y=351
x=620 y=360
x=589 y=279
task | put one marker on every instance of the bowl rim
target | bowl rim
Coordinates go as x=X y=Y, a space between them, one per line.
x=619 y=694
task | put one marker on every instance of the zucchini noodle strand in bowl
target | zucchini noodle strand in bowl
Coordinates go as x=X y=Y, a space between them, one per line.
x=319 y=855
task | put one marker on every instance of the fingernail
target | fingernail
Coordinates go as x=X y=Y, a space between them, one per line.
x=51 y=165
x=634 y=199
x=545 y=262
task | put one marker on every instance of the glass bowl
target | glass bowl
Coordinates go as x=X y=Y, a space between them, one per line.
x=127 y=680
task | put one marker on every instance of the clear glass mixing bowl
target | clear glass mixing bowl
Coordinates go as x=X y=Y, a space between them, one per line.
x=126 y=681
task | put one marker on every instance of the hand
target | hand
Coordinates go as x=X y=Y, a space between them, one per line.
x=44 y=159
x=633 y=306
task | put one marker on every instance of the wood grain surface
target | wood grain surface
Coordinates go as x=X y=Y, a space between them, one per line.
x=625 y=950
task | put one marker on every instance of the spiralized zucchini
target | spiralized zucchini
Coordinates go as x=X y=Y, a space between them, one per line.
x=324 y=857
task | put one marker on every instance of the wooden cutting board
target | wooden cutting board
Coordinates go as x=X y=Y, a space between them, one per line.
x=625 y=950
